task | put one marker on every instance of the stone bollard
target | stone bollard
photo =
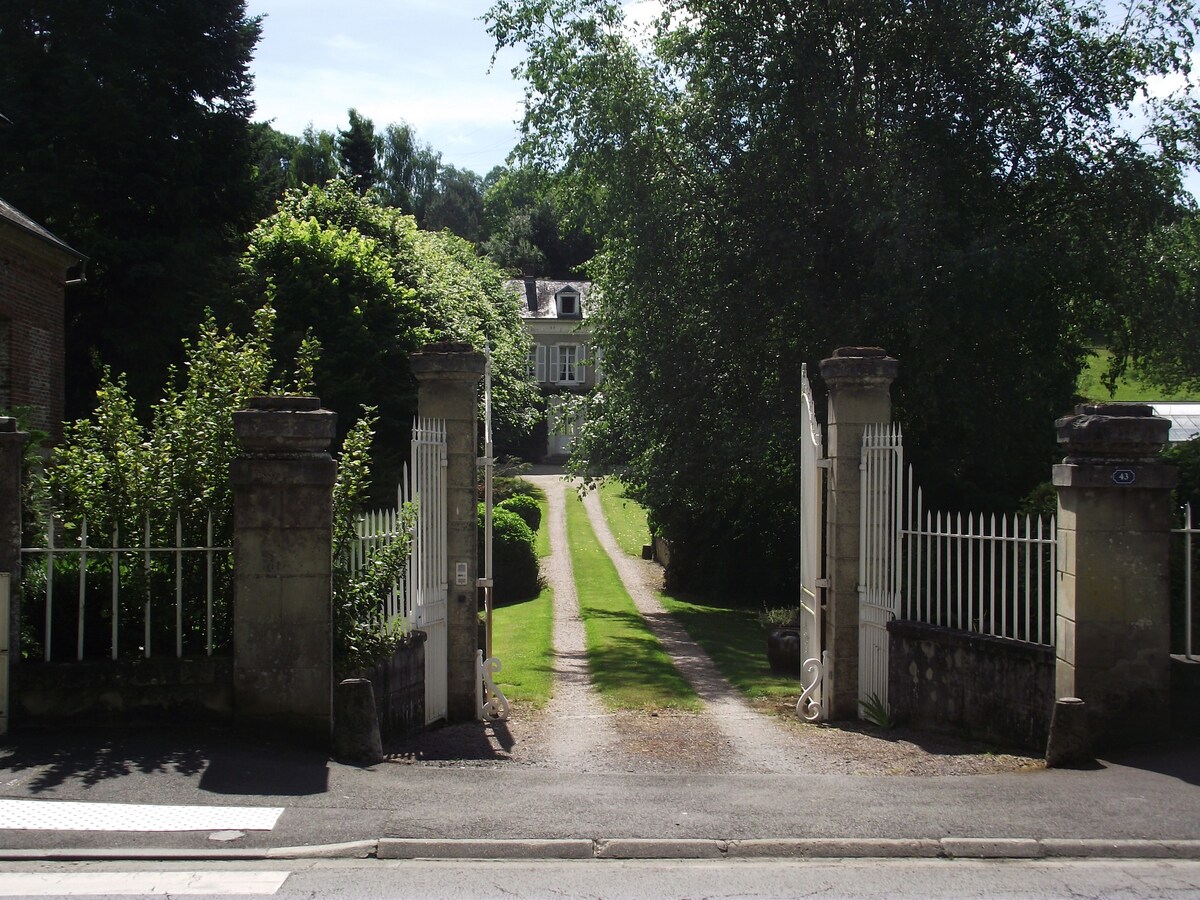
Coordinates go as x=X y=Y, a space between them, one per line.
x=356 y=723
x=1070 y=740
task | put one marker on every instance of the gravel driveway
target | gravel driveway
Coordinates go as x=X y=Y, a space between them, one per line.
x=575 y=732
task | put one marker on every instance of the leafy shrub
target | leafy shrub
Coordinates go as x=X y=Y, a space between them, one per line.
x=514 y=561
x=504 y=487
x=526 y=507
x=361 y=636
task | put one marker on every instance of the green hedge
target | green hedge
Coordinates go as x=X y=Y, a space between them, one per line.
x=514 y=561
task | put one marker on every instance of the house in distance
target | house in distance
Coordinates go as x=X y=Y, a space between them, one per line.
x=555 y=315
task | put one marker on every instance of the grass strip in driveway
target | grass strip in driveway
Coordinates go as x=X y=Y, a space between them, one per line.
x=522 y=637
x=737 y=645
x=626 y=517
x=629 y=666
x=732 y=637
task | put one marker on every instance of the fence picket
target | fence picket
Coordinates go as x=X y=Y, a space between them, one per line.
x=984 y=573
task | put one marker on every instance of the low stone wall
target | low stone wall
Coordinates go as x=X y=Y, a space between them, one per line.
x=972 y=685
x=107 y=692
x=399 y=687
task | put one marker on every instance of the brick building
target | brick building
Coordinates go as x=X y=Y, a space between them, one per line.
x=33 y=266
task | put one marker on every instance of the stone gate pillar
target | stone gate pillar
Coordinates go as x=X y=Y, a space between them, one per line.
x=1114 y=530
x=282 y=562
x=448 y=377
x=859 y=381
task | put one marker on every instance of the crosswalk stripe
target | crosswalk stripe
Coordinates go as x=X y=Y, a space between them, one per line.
x=67 y=815
x=127 y=884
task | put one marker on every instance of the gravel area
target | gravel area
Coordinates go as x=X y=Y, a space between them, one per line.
x=576 y=733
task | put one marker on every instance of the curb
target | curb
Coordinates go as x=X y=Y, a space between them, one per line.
x=654 y=848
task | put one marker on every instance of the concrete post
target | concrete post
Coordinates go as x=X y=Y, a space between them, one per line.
x=282 y=549
x=448 y=378
x=1114 y=529
x=859 y=380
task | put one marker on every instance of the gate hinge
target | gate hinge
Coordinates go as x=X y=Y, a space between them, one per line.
x=822 y=582
x=824 y=463
x=484 y=582
x=484 y=461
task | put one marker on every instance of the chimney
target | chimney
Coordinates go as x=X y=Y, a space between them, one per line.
x=531 y=294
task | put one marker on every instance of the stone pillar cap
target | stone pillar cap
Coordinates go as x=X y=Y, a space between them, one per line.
x=1104 y=433
x=448 y=360
x=866 y=366
x=284 y=426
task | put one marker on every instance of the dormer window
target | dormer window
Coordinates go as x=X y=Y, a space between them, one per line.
x=568 y=303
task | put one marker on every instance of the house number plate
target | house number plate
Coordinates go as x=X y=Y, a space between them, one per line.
x=1124 y=476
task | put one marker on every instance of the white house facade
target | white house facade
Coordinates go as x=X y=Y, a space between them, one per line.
x=561 y=359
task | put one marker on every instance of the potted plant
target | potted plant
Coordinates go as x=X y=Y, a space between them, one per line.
x=783 y=639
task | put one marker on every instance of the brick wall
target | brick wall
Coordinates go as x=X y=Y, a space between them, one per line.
x=31 y=324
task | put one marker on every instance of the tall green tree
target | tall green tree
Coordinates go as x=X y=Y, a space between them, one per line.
x=528 y=226
x=372 y=288
x=955 y=181
x=130 y=140
x=456 y=204
x=358 y=146
x=409 y=170
x=314 y=159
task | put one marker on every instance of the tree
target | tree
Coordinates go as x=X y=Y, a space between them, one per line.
x=272 y=153
x=130 y=141
x=409 y=170
x=953 y=181
x=372 y=288
x=358 y=148
x=456 y=204
x=315 y=159
x=527 y=229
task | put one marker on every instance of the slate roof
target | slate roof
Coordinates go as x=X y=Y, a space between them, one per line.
x=14 y=216
x=545 y=291
x=1185 y=419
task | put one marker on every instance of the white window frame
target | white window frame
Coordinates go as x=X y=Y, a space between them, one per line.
x=573 y=294
x=563 y=372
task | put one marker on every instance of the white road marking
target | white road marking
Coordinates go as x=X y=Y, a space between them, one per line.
x=64 y=815
x=125 y=884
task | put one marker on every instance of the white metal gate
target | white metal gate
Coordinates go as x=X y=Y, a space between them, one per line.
x=427 y=587
x=879 y=570
x=812 y=523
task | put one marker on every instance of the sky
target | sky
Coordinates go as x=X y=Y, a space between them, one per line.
x=424 y=62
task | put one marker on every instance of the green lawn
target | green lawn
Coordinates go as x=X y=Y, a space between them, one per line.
x=733 y=638
x=1130 y=387
x=737 y=645
x=522 y=638
x=629 y=666
x=626 y=518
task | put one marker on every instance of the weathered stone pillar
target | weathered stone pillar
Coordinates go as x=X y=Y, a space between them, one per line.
x=1114 y=529
x=448 y=376
x=859 y=380
x=282 y=557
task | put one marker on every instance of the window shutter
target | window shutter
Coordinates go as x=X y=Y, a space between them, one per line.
x=599 y=365
x=553 y=364
x=585 y=360
x=541 y=363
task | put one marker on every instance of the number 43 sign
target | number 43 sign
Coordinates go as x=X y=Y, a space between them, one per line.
x=1124 y=476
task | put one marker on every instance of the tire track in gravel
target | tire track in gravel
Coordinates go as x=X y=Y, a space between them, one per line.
x=759 y=744
x=582 y=737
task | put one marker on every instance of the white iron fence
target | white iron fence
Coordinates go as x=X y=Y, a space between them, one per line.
x=127 y=598
x=421 y=597
x=1189 y=566
x=987 y=574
